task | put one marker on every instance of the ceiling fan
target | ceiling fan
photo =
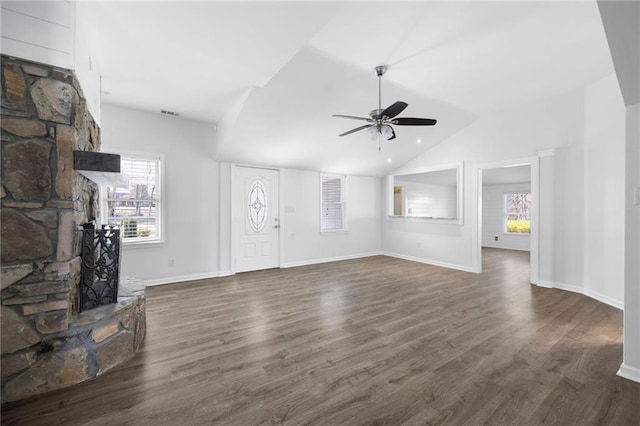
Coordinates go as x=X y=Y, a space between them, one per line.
x=380 y=120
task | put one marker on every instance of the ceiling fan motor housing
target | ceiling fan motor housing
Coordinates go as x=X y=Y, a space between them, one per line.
x=376 y=114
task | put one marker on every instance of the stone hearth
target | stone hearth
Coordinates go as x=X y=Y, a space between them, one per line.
x=45 y=344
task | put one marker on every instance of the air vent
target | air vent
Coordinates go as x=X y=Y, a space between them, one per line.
x=173 y=113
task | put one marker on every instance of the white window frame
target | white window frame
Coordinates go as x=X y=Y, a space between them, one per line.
x=104 y=211
x=505 y=213
x=342 y=202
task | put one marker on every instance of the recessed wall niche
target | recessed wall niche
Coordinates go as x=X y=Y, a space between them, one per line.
x=432 y=194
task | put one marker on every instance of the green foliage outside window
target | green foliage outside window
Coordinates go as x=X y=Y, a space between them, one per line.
x=519 y=226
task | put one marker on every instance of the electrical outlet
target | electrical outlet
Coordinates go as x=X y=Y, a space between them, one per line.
x=172 y=262
x=495 y=238
x=418 y=244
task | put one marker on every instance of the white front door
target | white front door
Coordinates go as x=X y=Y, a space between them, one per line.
x=257 y=226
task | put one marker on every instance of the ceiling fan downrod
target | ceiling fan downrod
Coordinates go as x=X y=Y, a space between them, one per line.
x=380 y=70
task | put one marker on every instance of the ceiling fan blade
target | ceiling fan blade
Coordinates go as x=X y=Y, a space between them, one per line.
x=394 y=109
x=408 y=121
x=353 y=117
x=357 y=129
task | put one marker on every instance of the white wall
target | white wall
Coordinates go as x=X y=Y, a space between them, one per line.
x=190 y=192
x=303 y=241
x=52 y=33
x=39 y=31
x=225 y=258
x=85 y=64
x=604 y=153
x=555 y=126
x=493 y=218
x=631 y=365
x=567 y=189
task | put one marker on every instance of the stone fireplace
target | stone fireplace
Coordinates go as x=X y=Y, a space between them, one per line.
x=46 y=342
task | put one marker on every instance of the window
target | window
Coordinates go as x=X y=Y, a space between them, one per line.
x=332 y=203
x=136 y=208
x=517 y=212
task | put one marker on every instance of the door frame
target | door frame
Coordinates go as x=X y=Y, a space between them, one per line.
x=234 y=226
x=476 y=234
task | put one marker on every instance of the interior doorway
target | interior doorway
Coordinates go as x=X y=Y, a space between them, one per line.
x=508 y=210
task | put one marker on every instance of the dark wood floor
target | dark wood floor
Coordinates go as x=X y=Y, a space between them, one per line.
x=370 y=341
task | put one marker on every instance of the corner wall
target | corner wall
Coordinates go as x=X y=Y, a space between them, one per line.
x=190 y=193
x=604 y=157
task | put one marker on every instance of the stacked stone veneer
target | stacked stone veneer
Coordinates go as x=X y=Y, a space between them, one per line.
x=45 y=344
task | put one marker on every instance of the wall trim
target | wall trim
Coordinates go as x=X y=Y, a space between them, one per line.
x=504 y=248
x=329 y=259
x=182 y=278
x=584 y=291
x=430 y=262
x=629 y=372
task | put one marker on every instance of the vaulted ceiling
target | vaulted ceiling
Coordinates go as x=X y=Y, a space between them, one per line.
x=270 y=75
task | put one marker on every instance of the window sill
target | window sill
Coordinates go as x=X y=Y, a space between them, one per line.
x=334 y=232
x=519 y=234
x=428 y=220
x=142 y=244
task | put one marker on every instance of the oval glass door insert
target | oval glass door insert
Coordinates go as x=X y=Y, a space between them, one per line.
x=257 y=208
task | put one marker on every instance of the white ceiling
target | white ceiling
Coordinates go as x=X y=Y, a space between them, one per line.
x=271 y=74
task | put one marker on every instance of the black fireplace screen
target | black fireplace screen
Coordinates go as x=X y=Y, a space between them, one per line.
x=100 y=266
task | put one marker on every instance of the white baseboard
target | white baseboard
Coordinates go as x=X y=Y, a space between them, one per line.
x=182 y=278
x=584 y=291
x=545 y=284
x=329 y=259
x=429 y=261
x=605 y=299
x=498 y=246
x=629 y=372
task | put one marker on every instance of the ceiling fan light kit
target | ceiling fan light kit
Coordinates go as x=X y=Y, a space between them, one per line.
x=380 y=120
